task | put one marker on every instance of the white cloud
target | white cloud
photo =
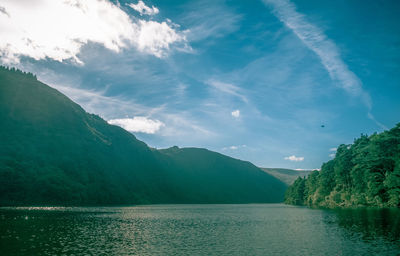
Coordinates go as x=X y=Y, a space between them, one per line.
x=138 y=124
x=142 y=8
x=236 y=113
x=294 y=158
x=228 y=88
x=155 y=38
x=333 y=149
x=57 y=29
x=332 y=155
x=234 y=147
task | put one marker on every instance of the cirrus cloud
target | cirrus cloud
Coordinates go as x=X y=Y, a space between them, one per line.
x=227 y=88
x=57 y=30
x=138 y=124
x=317 y=41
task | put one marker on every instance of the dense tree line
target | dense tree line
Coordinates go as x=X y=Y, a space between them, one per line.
x=15 y=71
x=365 y=173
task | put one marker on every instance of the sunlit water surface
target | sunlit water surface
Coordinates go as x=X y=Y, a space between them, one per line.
x=259 y=229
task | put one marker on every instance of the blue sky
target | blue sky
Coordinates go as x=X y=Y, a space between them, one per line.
x=255 y=80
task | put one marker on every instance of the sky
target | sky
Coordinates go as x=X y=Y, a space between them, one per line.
x=279 y=83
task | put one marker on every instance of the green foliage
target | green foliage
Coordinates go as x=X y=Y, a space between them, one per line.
x=295 y=193
x=53 y=152
x=366 y=173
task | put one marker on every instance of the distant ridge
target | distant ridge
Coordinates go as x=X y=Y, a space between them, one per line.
x=54 y=153
x=288 y=176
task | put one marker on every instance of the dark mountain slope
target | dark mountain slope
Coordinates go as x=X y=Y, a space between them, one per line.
x=53 y=152
x=199 y=173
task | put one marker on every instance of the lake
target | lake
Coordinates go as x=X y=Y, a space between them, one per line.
x=254 y=229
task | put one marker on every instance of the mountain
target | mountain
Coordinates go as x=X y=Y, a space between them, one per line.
x=206 y=176
x=52 y=152
x=365 y=173
x=288 y=176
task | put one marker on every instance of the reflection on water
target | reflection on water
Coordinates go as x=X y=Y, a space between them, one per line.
x=263 y=229
x=372 y=224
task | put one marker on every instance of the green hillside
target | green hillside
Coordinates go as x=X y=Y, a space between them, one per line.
x=53 y=152
x=288 y=176
x=365 y=173
x=197 y=173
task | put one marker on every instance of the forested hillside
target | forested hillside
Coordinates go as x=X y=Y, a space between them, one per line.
x=365 y=173
x=54 y=153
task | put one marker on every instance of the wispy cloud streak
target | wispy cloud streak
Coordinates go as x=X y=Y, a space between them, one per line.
x=210 y=19
x=315 y=39
x=228 y=89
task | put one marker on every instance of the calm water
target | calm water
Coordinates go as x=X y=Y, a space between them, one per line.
x=261 y=229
